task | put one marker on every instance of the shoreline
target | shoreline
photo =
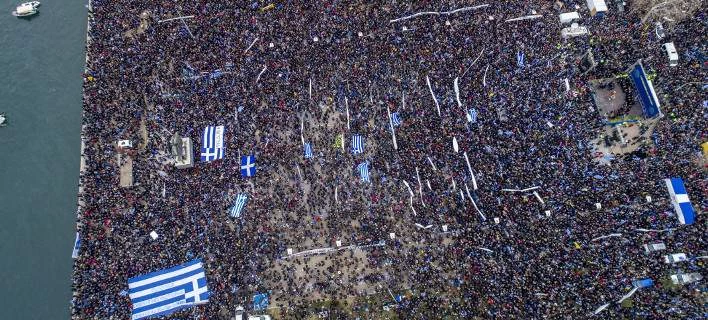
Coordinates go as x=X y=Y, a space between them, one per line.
x=82 y=160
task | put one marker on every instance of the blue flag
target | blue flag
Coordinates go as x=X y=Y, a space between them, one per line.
x=472 y=115
x=364 y=171
x=165 y=291
x=395 y=119
x=520 y=57
x=213 y=143
x=77 y=245
x=308 y=150
x=248 y=166
x=357 y=144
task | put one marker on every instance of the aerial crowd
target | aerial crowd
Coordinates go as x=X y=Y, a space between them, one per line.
x=321 y=72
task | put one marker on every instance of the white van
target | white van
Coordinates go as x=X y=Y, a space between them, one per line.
x=671 y=53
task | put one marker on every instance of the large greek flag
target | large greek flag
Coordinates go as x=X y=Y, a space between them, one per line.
x=679 y=198
x=166 y=291
x=357 y=144
x=240 y=202
x=364 y=171
x=213 y=143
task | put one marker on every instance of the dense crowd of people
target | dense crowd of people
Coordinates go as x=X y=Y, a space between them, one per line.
x=339 y=67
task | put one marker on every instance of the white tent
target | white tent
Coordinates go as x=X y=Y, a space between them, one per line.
x=569 y=17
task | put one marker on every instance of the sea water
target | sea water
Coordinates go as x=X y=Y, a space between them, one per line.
x=41 y=62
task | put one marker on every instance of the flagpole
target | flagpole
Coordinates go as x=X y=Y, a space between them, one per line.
x=432 y=164
x=177 y=18
x=389 y=292
x=473 y=62
x=522 y=190
x=474 y=203
x=187 y=27
x=607 y=236
x=420 y=187
x=410 y=191
x=484 y=79
x=427 y=79
x=538 y=197
x=346 y=103
x=252 y=43
x=474 y=180
x=302 y=126
x=260 y=74
x=457 y=92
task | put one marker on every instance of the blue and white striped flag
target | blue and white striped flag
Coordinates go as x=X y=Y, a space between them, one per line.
x=679 y=198
x=357 y=144
x=213 y=143
x=396 y=119
x=364 y=171
x=308 y=150
x=77 y=245
x=240 y=202
x=163 y=292
x=472 y=115
x=520 y=57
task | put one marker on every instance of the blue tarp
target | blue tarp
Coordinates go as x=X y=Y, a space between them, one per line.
x=680 y=200
x=260 y=301
x=643 y=283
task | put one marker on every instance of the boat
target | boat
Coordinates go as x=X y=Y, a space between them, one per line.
x=26 y=9
x=3 y=120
